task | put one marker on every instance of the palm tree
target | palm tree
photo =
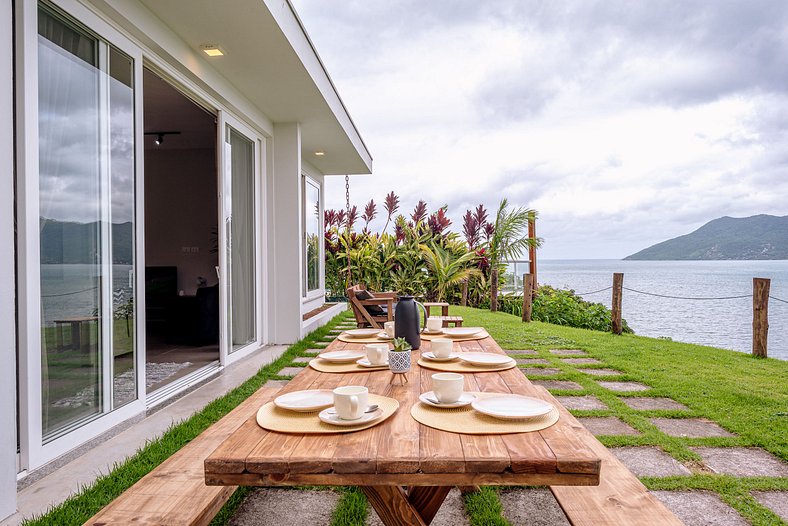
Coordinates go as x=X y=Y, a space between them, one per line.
x=509 y=239
x=445 y=269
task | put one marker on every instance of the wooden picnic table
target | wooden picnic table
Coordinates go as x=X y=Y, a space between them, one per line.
x=406 y=468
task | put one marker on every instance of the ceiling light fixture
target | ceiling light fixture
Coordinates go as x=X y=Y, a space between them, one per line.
x=160 y=136
x=320 y=153
x=211 y=50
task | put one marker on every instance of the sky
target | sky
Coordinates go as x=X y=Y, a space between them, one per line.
x=622 y=123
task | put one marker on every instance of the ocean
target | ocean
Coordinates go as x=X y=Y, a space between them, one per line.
x=718 y=323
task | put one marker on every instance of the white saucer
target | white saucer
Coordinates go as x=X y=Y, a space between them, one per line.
x=486 y=359
x=341 y=356
x=433 y=333
x=431 y=356
x=305 y=401
x=330 y=417
x=384 y=336
x=465 y=399
x=364 y=362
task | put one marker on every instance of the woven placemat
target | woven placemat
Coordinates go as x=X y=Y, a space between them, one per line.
x=458 y=366
x=277 y=419
x=324 y=366
x=478 y=336
x=467 y=421
x=347 y=339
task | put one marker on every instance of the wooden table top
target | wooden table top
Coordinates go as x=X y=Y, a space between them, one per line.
x=401 y=451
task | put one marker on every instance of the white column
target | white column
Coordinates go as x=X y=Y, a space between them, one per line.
x=285 y=234
x=7 y=282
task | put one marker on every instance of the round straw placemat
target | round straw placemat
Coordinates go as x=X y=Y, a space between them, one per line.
x=324 y=366
x=277 y=419
x=468 y=421
x=347 y=339
x=478 y=336
x=458 y=366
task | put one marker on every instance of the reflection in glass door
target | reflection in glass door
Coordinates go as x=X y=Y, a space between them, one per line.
x=240 y=239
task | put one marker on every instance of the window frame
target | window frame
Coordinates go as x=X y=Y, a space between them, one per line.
x=306 y=293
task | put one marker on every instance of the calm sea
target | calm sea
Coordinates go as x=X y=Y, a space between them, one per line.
x=719 y=323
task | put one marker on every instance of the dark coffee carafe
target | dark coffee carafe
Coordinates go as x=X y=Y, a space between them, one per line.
x=406 y=320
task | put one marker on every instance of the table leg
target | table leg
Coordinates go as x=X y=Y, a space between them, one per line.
x=395 y=507
x=59 y=335
x=445 y=310
x=76 y=335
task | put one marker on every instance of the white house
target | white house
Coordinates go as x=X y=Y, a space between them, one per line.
x=160 y=205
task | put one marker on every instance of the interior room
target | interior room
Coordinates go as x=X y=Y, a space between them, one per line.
x=181 y=240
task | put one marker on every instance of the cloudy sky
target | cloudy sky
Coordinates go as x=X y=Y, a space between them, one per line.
x=622 y=123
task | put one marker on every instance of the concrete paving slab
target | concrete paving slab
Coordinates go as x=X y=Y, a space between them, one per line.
x=601 y=372
x=649 y=462
x=690 y=427
x=313 y=352
x=451 y=512
x=276 y=383
x=286 y=507
x=303 y=359
x=653 y=404
x=290 y=371
x=536 y=371
x=586 y=403
x=742 y=461
x=532 y=507
x=532 y=361
x=581 y=361
x=700 y=508
x=607 y=425
x=568 y=352
x=624 y=387
x=559 y=384
x=515 y=352
x=777 y=501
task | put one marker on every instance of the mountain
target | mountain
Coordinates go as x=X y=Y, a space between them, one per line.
x=757 y=237
x=68 y=242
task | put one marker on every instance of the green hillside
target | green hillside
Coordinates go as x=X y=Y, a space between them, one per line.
x=68 y=242
x=756 y=237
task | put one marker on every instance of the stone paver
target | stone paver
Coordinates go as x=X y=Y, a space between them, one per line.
x=581 y=361
x=586 y=403
x=689 y=427
x=653 y=404
x=607 y=425
x=601 y=372
x=545 y=371
x=290 y=371
x=700 y=508
x=515 y=352
x=277 y=507
x=568 y=352
x=302 y=359
x=742 y=461
x=451 y=513
x=649 y=462
x=532 y=507
x=624 y=387
x=313 y=352
x=276 y=383
x=558 y=384
x=531 y=361
x=777 y=501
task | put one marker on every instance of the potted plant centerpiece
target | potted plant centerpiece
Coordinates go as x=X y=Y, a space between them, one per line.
x=399 y=356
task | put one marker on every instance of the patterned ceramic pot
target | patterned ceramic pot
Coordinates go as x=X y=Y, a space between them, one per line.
x=399 y=361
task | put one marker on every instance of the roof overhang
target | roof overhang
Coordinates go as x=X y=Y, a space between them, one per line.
x=269 y=58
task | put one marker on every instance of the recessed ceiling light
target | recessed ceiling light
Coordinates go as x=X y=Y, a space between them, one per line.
x=320 y=153
x=211 y=50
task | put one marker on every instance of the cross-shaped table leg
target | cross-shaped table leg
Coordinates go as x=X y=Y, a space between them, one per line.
x=396 y=507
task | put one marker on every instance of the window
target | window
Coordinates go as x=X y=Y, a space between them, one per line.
x=312 y=245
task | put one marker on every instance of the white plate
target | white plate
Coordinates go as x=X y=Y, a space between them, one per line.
x=433 y=333
x=305 y=401
x=465 y=399
x=364 y=362
x=384 y=336
x=431 y=356
x=461 y=332
x=341 y=356
x=485 y=359
x=330 y=417
x=362 y=333
x=512 y=407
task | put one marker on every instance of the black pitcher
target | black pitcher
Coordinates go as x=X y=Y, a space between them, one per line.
x=406 y=320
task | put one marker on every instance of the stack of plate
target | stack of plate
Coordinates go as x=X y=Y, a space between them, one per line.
x=305 y=401
x=461 y=332
x=512 y=407
x=485 y=359
x=342 y=356
x=361 y=333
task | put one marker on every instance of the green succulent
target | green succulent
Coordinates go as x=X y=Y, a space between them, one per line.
x=401 y=344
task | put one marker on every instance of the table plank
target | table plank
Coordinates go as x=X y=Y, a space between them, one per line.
x=440 y=451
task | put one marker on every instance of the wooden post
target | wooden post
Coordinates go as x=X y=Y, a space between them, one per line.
x=494 y=290
x=532 y=250
x=464 y=298
x=528 y=296
x=618 y=284
x=760 y=316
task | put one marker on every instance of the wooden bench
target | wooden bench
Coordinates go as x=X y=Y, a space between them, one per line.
x=448 y=321
x=619 y=500
x=175 y=492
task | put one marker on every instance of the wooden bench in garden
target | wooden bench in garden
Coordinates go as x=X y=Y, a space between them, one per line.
x=175 y=492
x=448 y=321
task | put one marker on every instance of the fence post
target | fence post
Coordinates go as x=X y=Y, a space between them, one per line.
x=618 y=284
x=464 y=298
x=532 y=250
x=760 y=316
x=528 y=296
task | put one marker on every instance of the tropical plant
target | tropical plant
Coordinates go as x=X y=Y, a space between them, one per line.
x=446 y=268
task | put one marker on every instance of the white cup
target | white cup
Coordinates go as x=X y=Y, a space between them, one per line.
x=351 y=401
x=447 y=387
x=441 y=347
x=377 y=353
x=389 y=328
x=434 y=324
